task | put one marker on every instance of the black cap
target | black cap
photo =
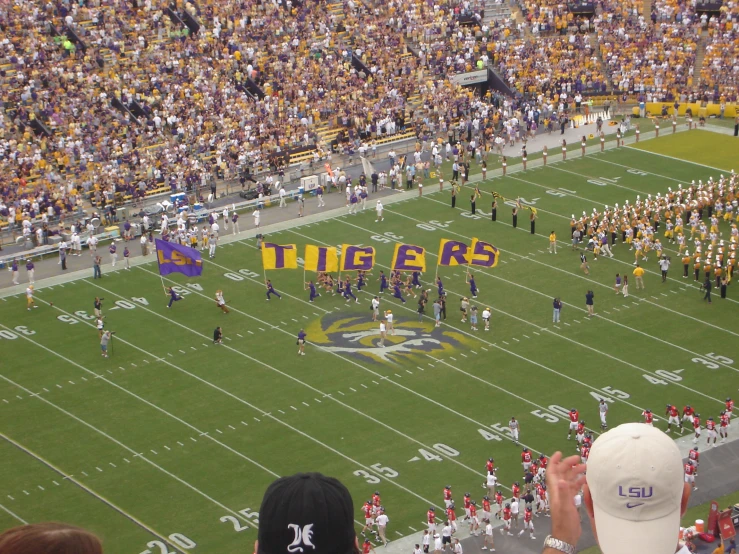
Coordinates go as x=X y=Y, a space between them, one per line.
x=307 y=509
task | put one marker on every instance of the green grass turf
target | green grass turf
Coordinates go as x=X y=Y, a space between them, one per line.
x=701 y=146
x=182 y=435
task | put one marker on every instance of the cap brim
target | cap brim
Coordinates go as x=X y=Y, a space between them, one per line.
x=656 y=536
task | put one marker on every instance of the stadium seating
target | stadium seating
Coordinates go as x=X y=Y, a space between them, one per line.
x=126 y=100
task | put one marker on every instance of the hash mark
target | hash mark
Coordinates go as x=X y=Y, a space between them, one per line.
x=42 y=488
x=341 y=393
x=365 y=386
x=154 y=451
x=463 y=354
x=485 y=349
x=112 y=464
x=58 y=386
x=193 y=439
x=316 y=399
x=126 y=460
x=283 y=413
x=181 y=444
x=232 y=427
x=57 y=484
x=504 y=342
x=167 y=447
x=257 y=419
x=249 y=332
x=305 y=403
x=352 y=389
x=100 y=470
x=240 y=336
x=219 y=431
x=294 y=408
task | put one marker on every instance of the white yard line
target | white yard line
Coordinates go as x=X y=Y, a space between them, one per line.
x=128 y=449
x=591 y=282
x=268 y=414
x=542 y=366
x=567 y=338
x=13 y=514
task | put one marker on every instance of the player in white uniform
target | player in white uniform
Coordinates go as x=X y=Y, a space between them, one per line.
x=514 y=427
x=378 y=211
x=603 y=410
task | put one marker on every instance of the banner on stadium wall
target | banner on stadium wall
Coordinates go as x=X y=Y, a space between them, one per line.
x=406 y=257
x=471 y=78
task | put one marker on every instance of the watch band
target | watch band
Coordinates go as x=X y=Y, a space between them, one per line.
x=557 y=544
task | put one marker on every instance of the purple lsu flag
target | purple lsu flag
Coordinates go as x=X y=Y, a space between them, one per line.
x=174 y=258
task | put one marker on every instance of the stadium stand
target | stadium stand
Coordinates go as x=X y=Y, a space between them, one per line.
x=112 y=100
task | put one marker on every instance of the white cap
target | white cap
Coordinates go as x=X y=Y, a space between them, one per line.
x=635 y=477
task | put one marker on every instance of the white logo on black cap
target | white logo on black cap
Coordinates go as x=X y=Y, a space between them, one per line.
x=303 y=537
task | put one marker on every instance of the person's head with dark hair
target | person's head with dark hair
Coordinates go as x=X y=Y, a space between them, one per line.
x=306 y=510
x=49 y=538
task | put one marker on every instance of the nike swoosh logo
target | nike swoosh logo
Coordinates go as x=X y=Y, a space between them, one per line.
x=628 y=505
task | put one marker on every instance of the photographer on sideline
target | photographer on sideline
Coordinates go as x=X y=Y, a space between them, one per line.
x=98 y=307
x=664 y=265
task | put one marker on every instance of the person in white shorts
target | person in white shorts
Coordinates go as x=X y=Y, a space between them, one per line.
x=514 y=427
x=514 y=512
x=603 y=410
x=489 y=543
x=378 y=211
x=437 y=543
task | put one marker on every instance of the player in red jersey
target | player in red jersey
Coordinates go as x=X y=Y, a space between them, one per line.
x=369 y=517
x=506 y=520
x=490 y=466
x=467 y=504
x=376 y=502
x=694 y=457
x=688 y=413
x=542 y=502
x=580 y=433
x=574 y=418
x=474 y=522
x=729 y=407
x=672 y=417
x=697 y=427
x=588 y=440
x=451 y=516
x=367 y=547
x=723 y=426
x=690 y=475
x=526 y=459
x=448 y=496
x=486 y=511
x=648 y=417
x=711 y=431
x=499 y=502
x=516 y=490
x=543 y=460
x=584 y=453
x=527 y=524
x=431 y=518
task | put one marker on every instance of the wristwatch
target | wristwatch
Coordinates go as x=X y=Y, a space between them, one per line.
x=557 y=544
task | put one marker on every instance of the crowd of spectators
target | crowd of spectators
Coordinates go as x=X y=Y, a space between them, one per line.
x=260 y=79
x=720 y=71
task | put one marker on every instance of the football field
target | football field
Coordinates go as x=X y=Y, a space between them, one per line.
x=169 y=444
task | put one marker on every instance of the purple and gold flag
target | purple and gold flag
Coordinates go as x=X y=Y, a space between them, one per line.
x=174 y=258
